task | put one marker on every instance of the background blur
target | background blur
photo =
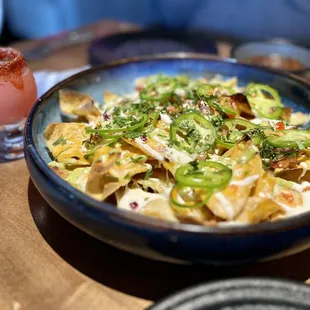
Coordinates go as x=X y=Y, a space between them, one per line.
x=232 y=19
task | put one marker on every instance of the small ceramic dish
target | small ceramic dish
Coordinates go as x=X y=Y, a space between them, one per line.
x=279 y=55
x=149 y=237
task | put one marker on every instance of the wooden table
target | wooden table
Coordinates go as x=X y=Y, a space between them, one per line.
x=46 y=263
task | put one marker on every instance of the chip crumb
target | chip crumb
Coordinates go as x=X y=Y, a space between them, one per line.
x=16 y=305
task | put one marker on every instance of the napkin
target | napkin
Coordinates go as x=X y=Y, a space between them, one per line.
x=47 y=79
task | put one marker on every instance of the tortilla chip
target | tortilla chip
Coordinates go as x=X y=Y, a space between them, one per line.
x=76 y=103
x=160 y=151
x=261 y=206
x=198 y=216
x=110 y=100
x=111 y=170
x=258 y=210
x=65 y=142
x=159 y=208
x=157 y=185
x=247 y=169
x=78 y=178
x=63 y=173
x=286 y=196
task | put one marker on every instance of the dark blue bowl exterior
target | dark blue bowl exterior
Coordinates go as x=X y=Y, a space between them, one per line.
x=145 y=236
x=152 y=41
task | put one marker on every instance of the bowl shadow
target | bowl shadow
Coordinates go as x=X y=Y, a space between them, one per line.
x=138 y=276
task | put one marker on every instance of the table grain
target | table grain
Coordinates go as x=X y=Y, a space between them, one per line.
x=47 y=263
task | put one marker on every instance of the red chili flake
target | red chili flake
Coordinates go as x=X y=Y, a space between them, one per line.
x=233 y=187
x=171 y=109
x=133 y=205
x=288 y=197
x=280 y=126
x=306 y=189
x=144 y=138
x=106 y=116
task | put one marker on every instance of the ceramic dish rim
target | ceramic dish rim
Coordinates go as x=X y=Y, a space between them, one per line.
x=197 y=290
x=235 y=49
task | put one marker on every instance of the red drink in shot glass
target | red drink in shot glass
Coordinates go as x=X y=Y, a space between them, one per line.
x=18 y=93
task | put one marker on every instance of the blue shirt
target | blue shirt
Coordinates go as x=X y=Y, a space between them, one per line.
x=246 y=19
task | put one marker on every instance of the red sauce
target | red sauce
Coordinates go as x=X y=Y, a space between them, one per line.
x=280 y=126
x=12 y=65
x=288 y=197
x=277 y=61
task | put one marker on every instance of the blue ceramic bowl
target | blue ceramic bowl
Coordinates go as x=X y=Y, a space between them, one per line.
x=144 y=235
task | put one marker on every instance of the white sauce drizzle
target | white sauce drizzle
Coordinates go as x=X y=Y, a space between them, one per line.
x=149 y=150
x=214 y=157
x=165 y=118
x=180 y=92
x=174 y=155
x=225 y=204
x=290 y=211
x=304 y=170
x=246 y=181
x=138 y=196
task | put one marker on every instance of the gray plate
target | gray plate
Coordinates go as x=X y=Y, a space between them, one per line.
x=241 y=294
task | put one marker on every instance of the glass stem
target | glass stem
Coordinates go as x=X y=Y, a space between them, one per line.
x=12 y=141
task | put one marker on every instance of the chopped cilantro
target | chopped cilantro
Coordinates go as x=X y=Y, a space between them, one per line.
x=138 y=158
x=148 y=174
x=267 y=150
x=61 y=140
x=134 y=134
x=90 y=153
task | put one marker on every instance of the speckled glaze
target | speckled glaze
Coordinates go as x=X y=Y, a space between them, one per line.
x=183 y=243
x=240 y=294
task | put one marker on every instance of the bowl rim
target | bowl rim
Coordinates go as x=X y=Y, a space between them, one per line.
x=139 y=220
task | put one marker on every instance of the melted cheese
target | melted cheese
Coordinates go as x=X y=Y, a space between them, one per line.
x=290 y=211
x=139 y=197
x=165 y=118
x=173 y=154
x=246 y=181
x=226 y=204
x=149 y=150
x=304 y=170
